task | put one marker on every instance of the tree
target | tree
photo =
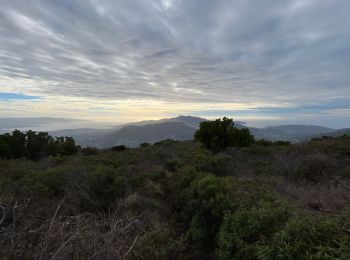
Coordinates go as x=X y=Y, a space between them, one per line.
x=38 y=144
x=35 y=145
x=65 y=146
x=219 y=134
x=5 y=147
x=18 y=143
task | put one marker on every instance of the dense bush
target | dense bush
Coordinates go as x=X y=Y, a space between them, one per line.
x=315 y=168
x=306 y=238
x=242 y=232
x=219 y=134
x=226 y=218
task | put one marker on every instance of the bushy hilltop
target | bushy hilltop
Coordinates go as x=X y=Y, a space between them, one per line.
x=177 y=200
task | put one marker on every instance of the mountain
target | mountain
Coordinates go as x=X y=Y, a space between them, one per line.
x=121 y=134
x=341 y=132
x=183 y=128
x=134 y=135
x=300 y=129
x=336 y=133
x=293 y=133
x=191 y=121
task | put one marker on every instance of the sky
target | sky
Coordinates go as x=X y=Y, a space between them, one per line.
x=114 y=61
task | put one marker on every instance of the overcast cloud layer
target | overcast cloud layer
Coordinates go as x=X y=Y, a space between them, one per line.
x=265 y=58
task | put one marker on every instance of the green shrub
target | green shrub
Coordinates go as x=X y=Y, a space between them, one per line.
x=41 y=183
x=243 y=231
x=316 y=167
x=204 y=161
x=106 y=187
x=200 y=202
x=172 y=165
x=305 y=238
x=157 y=244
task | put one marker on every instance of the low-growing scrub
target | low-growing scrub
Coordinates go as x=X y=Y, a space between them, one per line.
x=176 y=200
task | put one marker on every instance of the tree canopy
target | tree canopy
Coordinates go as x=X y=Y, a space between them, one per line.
x=219 y=134
x=35 y=145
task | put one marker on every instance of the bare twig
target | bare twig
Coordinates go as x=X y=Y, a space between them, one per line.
x=137 y=236
x=49 y=230
x=3 y=214
x=54 y=216
x=65 y=243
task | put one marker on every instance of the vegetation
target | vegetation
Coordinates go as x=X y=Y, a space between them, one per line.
x=34 y=145
x=176 y=200
x=219 y=134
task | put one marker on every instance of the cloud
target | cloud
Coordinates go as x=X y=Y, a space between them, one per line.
x=272 y=53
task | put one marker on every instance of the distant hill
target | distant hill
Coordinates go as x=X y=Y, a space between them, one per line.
x=121 y=134
x=293 y=133
x=340 y=132
x=183 y=128
x=134 y=135
x=335 y=133
x=191 y=121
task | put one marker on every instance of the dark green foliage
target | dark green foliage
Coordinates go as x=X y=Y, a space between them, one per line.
x=240 y=220
x=204 y=161
x=305 y=238
x=242 y=231
x=157 y=244
x=219 y=134
x=35 y=146
x=145 y=145
x=65 y=146
x=172 y=165
x=18 y=144
x=346 y=136
x=89 y=151
x=166 y=142
x=105 y=187
x=285 y=143
x=119 y=148
x=267 y=143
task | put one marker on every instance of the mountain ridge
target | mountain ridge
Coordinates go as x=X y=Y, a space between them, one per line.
x=183 y=127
